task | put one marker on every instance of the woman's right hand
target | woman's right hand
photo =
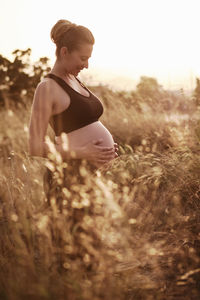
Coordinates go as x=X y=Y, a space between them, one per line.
x=98 y=154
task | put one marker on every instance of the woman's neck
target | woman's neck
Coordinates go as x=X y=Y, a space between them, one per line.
x=59 y=70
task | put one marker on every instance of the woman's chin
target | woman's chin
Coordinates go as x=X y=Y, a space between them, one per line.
x=75 y=72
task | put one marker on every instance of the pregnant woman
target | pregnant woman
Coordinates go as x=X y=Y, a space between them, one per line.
x=71 y=109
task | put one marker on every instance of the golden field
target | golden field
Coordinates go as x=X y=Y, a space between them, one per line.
x=132 y=231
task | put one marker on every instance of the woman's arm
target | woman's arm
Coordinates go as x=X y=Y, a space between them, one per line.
x=41 y=112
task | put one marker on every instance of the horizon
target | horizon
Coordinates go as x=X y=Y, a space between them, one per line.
x=121 y=81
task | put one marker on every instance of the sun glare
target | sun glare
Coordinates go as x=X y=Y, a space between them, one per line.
x=133 y=38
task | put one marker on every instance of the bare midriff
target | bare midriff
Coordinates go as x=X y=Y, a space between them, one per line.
x=86 y=134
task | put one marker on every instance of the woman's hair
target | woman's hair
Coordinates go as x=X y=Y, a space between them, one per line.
x=67 y=34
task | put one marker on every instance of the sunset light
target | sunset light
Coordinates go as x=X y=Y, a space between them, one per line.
x=133 y=38
x=99 y=150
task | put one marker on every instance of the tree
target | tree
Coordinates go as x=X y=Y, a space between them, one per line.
x=20 y=76
x=148 y=87
x=39 y=69
x=150 y=93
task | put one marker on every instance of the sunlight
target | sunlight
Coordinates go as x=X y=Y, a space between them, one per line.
x=134 y=38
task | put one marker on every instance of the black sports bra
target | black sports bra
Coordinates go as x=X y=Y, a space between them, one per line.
x=82 y=111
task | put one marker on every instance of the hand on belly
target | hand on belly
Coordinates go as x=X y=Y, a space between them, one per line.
x=94 y=140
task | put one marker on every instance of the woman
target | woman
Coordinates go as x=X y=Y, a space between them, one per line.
x=68 y=106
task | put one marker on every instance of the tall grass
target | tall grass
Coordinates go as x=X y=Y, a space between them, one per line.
x=129 y=231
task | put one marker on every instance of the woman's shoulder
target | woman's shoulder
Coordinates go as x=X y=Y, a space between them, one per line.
x=46 y=88
x=44 y=92
x=48 y=92
x=45 y=84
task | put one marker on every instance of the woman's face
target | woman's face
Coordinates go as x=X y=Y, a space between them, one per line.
x=77 y=60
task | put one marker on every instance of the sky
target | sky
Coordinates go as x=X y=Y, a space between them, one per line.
x=155 y=38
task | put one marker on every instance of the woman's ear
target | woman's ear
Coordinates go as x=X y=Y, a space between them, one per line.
x=64 y=51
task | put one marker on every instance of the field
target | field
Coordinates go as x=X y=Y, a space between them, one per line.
x=131 y=232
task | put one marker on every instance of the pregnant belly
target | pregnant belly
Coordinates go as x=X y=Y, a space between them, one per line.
x=87 y=134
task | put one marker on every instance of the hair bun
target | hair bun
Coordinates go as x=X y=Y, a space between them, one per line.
x=61 y=27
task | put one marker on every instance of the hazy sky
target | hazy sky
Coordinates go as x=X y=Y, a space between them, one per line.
x=158 y=38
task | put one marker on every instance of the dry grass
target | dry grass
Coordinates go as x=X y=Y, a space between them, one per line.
x=131 y=231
